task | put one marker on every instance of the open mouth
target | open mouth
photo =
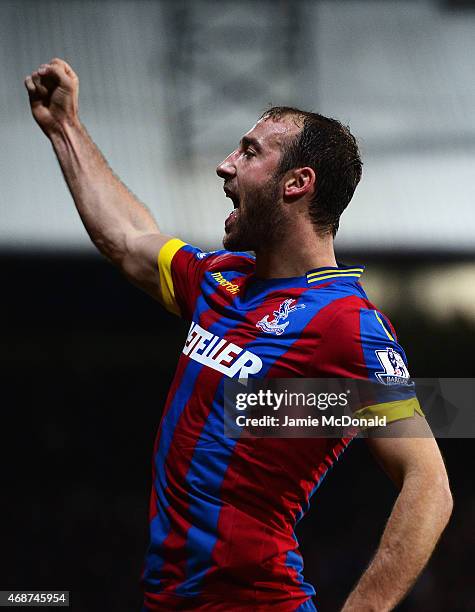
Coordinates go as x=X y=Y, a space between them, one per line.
x=232 y=196
x=234 y=213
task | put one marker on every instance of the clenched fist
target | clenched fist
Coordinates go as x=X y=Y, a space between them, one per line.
x=53 y=91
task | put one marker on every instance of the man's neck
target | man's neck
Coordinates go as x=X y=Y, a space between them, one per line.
x=299 y=252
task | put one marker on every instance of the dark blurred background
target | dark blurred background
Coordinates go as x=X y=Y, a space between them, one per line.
x=167 y=88
x=86 y=363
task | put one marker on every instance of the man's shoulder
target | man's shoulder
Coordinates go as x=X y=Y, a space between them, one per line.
x=221 y=261
x=345 y=310
x=190 y=259
x=354 y=316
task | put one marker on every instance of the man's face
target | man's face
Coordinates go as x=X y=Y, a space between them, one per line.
x=249 y=173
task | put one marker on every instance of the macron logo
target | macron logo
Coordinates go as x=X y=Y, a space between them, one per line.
x=228 y=285
x=219 y=354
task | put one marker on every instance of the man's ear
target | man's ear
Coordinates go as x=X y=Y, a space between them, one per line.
x=299 y=182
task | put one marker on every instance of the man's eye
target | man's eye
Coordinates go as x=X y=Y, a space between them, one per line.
x=248 y=153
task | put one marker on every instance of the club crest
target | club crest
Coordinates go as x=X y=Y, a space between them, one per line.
x=274 y=326
x=395 y=370
x=203 y=254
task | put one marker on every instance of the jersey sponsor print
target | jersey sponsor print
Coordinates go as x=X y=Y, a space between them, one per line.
x=223 y=511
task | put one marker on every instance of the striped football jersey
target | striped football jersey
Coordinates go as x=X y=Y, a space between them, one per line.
x=223 y=510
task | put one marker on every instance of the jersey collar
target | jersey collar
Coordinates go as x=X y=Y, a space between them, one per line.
x=322 y=275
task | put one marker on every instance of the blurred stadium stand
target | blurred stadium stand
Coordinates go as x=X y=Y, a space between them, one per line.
x=167 y=88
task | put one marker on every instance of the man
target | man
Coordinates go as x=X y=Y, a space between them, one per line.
x=222 y=511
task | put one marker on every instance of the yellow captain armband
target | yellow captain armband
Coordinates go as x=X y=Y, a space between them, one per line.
x=393 y=411
x=165 y=257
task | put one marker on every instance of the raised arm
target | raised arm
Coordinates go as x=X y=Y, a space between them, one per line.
x=119 y=225
x=417 y=520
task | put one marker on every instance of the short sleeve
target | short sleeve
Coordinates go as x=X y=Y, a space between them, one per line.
x=386 y=364
x=181 y=268
x=361 y=343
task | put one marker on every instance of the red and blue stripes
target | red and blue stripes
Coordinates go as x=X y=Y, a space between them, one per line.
x=223 y=511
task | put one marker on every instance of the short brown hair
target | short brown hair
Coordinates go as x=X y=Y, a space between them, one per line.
x=330 y=149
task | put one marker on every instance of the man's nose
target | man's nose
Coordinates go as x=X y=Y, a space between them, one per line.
x=226 y=168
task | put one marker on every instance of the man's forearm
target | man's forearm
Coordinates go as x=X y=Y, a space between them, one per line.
x=111 y=214
x=419 y=516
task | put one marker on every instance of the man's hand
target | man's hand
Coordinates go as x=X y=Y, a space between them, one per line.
x=118 y=223
x=417 y=520
x=53 y=90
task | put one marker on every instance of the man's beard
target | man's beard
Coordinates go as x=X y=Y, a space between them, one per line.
x=261 y=224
